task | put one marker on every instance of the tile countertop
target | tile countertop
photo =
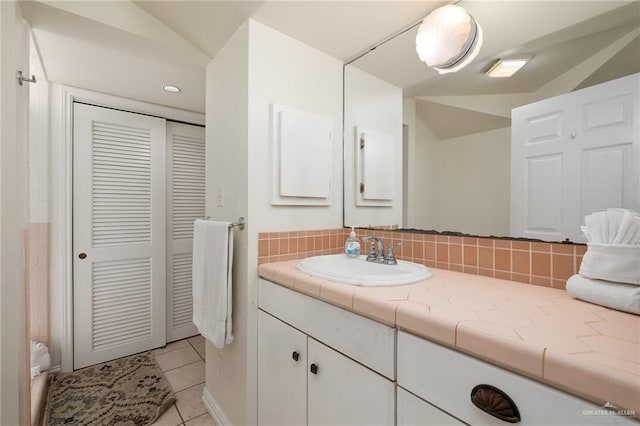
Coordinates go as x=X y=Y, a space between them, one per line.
x=542 y=333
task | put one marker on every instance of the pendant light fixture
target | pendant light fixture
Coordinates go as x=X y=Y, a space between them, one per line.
x=448 y=39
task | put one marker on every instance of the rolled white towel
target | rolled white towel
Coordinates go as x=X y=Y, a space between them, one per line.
x=623 y=297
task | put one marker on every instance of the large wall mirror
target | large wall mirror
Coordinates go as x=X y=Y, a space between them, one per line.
x=450 y=168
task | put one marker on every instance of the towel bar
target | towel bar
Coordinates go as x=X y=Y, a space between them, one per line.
x=239 y=224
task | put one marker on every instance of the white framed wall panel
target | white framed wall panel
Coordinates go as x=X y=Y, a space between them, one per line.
x=375 y=173
x=301 y=153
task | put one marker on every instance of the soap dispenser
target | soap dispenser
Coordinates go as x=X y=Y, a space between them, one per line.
x=352 y=245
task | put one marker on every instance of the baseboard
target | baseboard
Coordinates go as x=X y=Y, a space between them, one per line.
x=214 y=409
x=55 y=368
x=39 y=392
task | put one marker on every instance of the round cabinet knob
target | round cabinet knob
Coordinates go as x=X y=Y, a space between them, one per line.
x=82 y=255
x=314 y=368
x=295 y=355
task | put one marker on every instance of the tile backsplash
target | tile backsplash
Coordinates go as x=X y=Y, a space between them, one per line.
x=538 y=263
x=38 y=287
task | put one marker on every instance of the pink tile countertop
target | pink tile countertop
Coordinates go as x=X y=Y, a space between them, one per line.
x=543 y=333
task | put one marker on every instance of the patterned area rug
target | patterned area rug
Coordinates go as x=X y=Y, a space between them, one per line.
x=126 y=391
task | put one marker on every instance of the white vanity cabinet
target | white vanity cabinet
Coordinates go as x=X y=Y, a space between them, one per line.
x=318 y=364
x=282 y=373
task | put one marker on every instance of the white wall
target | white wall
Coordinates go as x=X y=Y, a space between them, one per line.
x=409 y=166
x=285 y=71
x=257 y=67
x=13 y=218
x=462 y=184
x=473 y=183
x=38 y=141
x=227 y=167
x=425 y=207
x=376 y=104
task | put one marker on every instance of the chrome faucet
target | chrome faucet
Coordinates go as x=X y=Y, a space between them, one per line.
x=376 y=250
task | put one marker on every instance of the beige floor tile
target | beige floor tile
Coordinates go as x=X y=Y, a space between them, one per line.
x=184 y=377
x=174 y=359
x=169 y=418
x=189 y=402
x=195 y=340
x=200 y=348
x=170 y=347
x=204 y=420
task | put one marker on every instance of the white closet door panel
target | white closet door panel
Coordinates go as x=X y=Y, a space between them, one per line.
x=594 y=135
x=186 y=203
x=610 y=146
x=182 y=313
x=604 y=173
x=544 y=197
x=119 y=234
x=539 y=153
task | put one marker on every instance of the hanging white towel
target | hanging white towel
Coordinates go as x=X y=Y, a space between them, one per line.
x=620 y=296
x=212 y=296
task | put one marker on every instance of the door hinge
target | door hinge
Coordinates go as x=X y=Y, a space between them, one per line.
x=362 y=141
x=22 y=79
x=361 y=188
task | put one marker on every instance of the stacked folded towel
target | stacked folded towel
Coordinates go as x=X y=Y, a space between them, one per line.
x=610 y=271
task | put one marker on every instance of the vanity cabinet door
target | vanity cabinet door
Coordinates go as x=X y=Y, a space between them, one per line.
x=343 y=392
x=282 y=373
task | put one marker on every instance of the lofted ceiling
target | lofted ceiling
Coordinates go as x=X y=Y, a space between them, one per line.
x=570 y=44
x=132 y=48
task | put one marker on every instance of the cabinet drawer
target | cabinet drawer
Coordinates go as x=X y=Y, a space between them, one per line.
x=445 y=378
x=413 y=411
x=366 y=341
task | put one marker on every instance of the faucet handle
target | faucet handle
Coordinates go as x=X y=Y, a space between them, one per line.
x=390 y=258
x=372 y=247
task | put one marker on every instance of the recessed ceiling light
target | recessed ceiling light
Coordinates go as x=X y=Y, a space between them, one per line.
x=505 y=67
x=171 y=89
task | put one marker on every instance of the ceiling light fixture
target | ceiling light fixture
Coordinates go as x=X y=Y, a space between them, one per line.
x=171 y=89
x=448 y=39
x=505 y=67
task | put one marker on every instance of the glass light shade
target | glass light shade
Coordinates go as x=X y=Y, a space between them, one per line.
x=506 y=67
x=448 y=39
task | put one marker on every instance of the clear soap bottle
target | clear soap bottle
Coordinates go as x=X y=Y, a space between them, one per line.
x=352 y=245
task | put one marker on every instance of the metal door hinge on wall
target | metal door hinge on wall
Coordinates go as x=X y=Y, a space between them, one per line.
x=21 y=79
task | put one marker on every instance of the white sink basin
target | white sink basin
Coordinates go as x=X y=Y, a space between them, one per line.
x=357 y=271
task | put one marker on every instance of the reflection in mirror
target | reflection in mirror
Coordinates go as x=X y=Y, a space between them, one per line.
x=455 y=164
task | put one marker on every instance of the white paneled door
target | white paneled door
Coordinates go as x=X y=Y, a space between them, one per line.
x=119 y=233
x=185 y=203
x=573 y=155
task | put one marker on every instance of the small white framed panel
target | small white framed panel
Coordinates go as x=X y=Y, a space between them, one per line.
x=374 y=167
x=301 y=157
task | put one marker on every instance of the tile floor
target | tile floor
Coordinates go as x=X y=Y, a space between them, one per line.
x=183 y=364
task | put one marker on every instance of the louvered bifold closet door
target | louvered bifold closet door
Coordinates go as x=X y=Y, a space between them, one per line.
x=119 y=234
x=185 y=203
